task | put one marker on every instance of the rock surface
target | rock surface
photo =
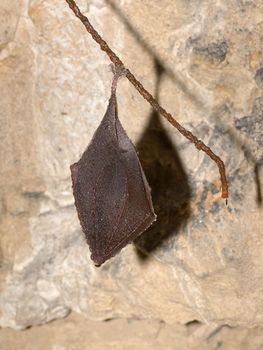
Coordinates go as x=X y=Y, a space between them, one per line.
x=202 y=260
x=77 y=333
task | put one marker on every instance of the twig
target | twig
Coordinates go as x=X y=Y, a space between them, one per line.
x=140 y=88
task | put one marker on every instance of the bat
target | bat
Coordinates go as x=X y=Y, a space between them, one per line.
x=112 y=196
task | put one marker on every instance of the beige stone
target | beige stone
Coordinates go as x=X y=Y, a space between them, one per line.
x=78 y=333
x=202 y=260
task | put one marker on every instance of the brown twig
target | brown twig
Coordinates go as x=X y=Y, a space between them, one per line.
x=140 y=88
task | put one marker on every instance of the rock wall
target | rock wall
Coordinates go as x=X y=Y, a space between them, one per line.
x=203 y=61
x=76 y=332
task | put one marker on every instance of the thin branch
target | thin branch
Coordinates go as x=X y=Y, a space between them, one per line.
x=140 y=88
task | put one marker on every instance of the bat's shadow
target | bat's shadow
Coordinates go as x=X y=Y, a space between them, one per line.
x=160 y=160
x=168 y=181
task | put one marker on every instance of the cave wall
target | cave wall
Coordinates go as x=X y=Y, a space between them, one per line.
x=203 y=61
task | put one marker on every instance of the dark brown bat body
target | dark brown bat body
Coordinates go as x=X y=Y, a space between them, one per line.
x=112 y=196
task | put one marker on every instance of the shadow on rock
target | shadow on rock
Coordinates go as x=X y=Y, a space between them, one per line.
x=170 y=188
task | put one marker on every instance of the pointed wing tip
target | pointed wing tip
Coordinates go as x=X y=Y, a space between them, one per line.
x=102 y=258
x=99 y=260
x=153 y=219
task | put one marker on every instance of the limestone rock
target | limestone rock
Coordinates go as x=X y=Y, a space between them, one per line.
x=201 y=260
x=76 y=332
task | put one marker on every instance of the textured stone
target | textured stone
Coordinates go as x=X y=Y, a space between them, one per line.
x=201 y=260
x=259 y=77
x=77 y=333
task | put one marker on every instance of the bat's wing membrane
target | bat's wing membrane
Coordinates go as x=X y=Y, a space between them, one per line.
x=111 y=192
